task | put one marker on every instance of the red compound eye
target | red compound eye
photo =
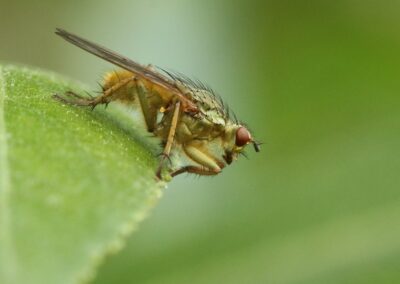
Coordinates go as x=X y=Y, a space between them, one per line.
x=242 y=137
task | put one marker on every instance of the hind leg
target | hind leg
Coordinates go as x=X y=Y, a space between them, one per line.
x=106 y=97
x=75 y=99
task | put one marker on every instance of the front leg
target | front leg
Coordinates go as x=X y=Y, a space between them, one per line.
x=194 y=170
x=198 y=153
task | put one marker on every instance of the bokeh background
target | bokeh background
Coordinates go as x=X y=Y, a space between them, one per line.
x=318 y=83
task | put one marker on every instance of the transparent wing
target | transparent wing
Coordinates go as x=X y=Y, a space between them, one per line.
x=118 y=60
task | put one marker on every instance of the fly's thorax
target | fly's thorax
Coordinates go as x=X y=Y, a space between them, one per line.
x=197 y=127
x=209 y=106
x=209 y=130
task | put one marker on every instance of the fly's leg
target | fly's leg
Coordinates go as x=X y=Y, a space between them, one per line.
x=209 y=165
x=194 y=170
x=78 y=100
x=149 y=113
x=170 y=139
x=72 y=98
x=200 y=156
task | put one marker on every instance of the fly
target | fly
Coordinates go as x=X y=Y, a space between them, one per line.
x=186 y=115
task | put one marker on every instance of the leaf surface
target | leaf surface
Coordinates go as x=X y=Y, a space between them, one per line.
x=73 y=183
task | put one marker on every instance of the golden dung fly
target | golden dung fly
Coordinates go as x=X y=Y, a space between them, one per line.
x=186 y=115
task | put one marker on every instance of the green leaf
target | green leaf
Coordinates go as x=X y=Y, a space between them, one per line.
x=73 y=183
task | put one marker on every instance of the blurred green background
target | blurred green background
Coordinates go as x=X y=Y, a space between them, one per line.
x=318 y=83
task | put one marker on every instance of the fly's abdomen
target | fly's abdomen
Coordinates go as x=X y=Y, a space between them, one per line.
x=130 y=89
x=121 y=86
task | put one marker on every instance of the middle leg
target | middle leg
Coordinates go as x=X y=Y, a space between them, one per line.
x=170 y=138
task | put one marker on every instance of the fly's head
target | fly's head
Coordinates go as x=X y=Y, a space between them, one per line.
x=237 y=137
